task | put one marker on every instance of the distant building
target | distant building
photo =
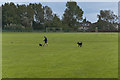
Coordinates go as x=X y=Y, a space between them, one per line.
x=85 y=25
x=116 y=25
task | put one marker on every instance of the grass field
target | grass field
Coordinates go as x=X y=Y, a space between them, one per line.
x=23 y=58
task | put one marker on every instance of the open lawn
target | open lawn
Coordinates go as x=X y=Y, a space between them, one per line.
x=23 y=58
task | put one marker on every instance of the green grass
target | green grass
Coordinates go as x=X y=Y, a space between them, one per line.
x=23 y=58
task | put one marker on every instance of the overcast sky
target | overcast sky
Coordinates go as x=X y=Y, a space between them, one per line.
x=91 y=9
x=58 y=0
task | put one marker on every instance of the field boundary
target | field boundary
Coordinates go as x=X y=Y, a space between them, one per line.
x=60 y=79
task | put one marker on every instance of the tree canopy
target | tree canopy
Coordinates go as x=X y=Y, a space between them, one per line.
x=35 y=16
x=72 y=14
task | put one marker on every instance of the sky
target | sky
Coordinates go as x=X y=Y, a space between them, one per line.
x=58 y=0
x=91 y=9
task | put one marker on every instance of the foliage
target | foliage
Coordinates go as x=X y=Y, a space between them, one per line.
x=72 y=14
x=56 y=22
x=9 y=11
x=107 y=21
x=14 y=27
x=38 y=12
x=37 y=17
x=108 y=16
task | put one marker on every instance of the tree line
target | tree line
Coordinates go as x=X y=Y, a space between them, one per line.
x=37 y=17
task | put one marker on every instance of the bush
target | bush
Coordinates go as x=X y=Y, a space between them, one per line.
x=14 y=27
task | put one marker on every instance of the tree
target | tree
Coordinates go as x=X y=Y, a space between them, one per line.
x=30 y=15
x=108 y=16
x=56 y=22
x=38 y=23
x=26 y=15
x=107 y=20
x=38 y=12
x=9 y=14
x=0 y=18
x=72 y=15
x=48 y=16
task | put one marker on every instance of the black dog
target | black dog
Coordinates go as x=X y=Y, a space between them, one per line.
x=79 y=44
x=40 y=44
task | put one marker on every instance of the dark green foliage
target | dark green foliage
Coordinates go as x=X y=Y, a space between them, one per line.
x=108 y=16
x=38 y=26
x=9 y=11
x=56 y=22
x=26 y=15
x=37 y=17
x=38 y=12
x=107 y=21
x=72 y=14
x=17 y=14
x=14 y=27
x=48 y=17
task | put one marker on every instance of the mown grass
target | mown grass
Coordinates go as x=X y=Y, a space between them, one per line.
x=23 y=58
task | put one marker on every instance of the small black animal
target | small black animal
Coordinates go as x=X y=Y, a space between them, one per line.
x=79 y=44
x=40 y=44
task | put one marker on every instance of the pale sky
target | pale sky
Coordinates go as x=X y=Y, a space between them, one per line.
x=91 y=9
x=58 y=0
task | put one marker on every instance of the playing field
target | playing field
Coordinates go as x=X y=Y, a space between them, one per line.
x=23 y=58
